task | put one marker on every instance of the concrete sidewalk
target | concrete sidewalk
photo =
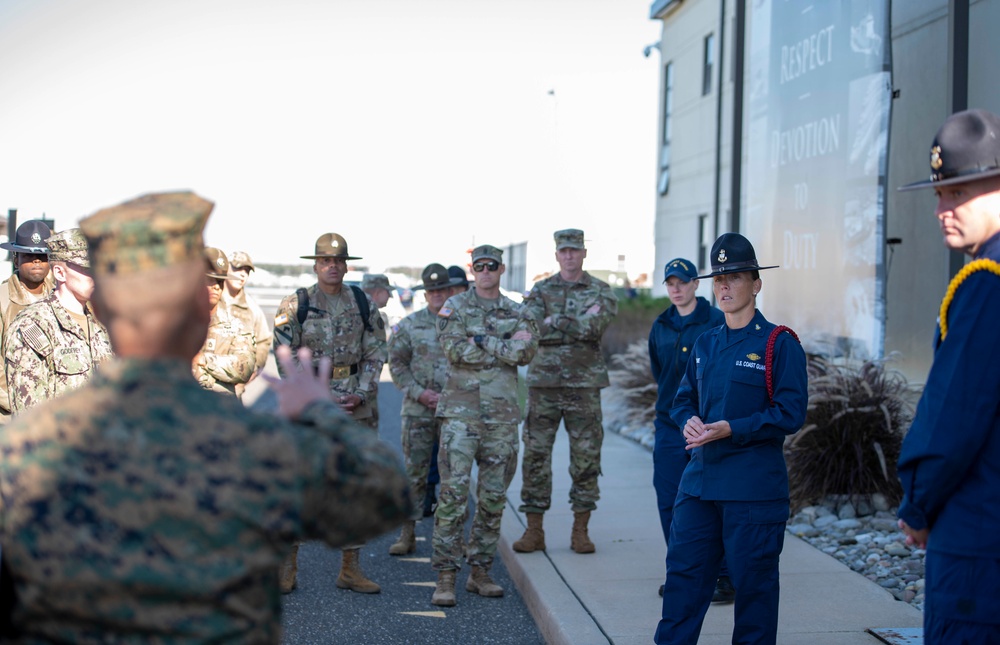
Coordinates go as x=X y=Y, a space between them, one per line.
x=611 y=596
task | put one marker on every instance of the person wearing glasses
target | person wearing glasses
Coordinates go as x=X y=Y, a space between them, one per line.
x=485 y=337
x=572 y=309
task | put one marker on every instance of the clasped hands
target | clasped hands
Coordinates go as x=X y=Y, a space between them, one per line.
x=698 y=433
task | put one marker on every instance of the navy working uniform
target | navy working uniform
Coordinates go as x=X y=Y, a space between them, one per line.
x=670 y=343
x=733 y=496
x=949 y=464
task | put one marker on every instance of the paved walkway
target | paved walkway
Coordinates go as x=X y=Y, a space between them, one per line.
x=611 y=596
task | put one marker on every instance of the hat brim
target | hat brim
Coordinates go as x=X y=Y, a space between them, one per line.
x=217 y=276
x=454 y=282
x=741 y=270
x=342 y=257
x=957 y=179
x=17 y=248
x=570 y=245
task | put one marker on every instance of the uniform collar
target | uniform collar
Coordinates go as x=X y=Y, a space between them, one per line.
x=63 y=316
x=990 y=249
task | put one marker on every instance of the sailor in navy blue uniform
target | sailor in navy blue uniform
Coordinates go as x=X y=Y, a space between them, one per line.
x=671 y=340
x=733 y=496
x=949 y=464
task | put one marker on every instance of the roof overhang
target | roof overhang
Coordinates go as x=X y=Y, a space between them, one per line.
x=660 y=8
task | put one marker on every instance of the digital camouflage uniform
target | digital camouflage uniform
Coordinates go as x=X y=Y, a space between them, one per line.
x=143 y=508
x=564 y=382
x=228 y=355
x=15 y=297
x=480 y=410
x=48 y=353
x=417 y=363
x=333 y=327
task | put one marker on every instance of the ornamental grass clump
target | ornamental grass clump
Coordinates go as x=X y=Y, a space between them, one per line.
x=632 y=379
x=855 y=423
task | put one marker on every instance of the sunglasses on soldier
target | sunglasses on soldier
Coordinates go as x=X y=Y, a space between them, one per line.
x=492 y=265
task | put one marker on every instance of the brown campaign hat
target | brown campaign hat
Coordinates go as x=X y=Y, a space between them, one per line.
x=150 y=232
x=330 y=245
x=216 y=263
x=68 y=246
x=436 y=277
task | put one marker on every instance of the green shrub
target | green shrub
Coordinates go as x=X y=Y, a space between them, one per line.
x=633 y=322
x=855 y=423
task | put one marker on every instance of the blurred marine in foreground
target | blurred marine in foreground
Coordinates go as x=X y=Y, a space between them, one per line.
x=142 y=507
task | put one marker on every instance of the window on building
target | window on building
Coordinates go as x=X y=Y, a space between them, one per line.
x=663 y=184
x=709 y=58
x=704 y=235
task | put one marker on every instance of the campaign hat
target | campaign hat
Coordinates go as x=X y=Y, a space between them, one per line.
x=733 y=253
x=682 y=268
x=459 y=275
x=29 y=238
x=966 y=148
x=216 y=262
x=330 y=245
x=436 y=277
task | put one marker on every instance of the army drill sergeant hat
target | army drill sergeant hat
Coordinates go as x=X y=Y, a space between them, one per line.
x=375 y=281
x=733 y=253
x=459 y=275
x=966 y=148
x=570 y=238
x=435 y=277
x=29 y=238
x=68 y=246
x=683 y=269
x=216 y=262
x=487 y=252
x=330 y=245
x=240 y=259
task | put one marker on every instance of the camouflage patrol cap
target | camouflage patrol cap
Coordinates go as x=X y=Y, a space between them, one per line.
x=436 y=277
x=375 y=281
x=150 y=232
x=330 y=245
x=68 y=246
x=239 y=259
x=569 y=238
x=29 y=238
x=216 y=262
x=487 y=252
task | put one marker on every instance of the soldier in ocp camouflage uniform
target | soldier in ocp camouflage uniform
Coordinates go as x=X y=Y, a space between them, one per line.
x=143 y=508
x=226 y=362
x=572 y=309
x=54 y=345
x=376 y=286
x=243 y=306
x=419 y=369
x=485 y=338
x=333 y=326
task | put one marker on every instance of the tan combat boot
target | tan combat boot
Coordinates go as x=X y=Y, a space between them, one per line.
x=289 y=571
x=407 y=542
x=481 y=583
x=579 y=541
x=351 y=576
x=533 y=538
x=444 y=593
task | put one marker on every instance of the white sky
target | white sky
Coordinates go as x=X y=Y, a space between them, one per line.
x=415 y=128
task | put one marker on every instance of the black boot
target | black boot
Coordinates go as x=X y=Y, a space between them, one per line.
x=430 y=502
x=724 y=590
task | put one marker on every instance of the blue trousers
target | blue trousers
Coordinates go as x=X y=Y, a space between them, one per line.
x=669 y=460
x=751 y=534
x=963 y=595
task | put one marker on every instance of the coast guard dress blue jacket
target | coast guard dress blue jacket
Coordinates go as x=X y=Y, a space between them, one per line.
x=725 y=380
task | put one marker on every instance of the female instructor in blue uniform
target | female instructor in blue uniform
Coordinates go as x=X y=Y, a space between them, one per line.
x=735 y=410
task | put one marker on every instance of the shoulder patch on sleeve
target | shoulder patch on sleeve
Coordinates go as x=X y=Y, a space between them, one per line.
x=445 y=312
x=395 y=329
x=36 y=339
x=281 y=319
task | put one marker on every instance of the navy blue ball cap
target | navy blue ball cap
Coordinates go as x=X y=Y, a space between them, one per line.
x=682 y=268
x=966 y=148
x=733 y=253
x=29 y=238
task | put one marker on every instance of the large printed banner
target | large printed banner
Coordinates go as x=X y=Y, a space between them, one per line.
x=818 y=92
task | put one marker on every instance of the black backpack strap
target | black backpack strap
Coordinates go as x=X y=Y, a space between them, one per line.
x=362 y=300
x=303 y=309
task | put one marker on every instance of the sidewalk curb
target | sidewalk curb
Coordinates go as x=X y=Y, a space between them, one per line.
x=558 y=612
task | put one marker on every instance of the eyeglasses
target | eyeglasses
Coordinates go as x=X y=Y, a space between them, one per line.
x=492 y=265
